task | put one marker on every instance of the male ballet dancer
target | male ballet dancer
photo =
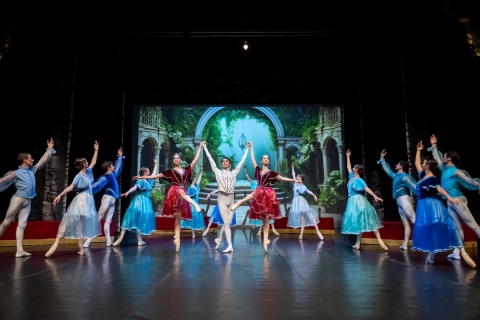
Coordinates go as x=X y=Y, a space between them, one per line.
x=107 y=205
x=452 y=178
x=24 y=180
x=401 y=181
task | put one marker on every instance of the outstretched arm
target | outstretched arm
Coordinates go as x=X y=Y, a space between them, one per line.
x=9 y=178
x=466 y=181
x=349 y=163
x=418 y=158
x=46 y=156
x=118 y=163
x=132 y=189
x=67 y=190
x=312 y=194
x=293 y=171
x=385 y=165
x=254 y=163
x=194 y=161
x=279 y=177
x=153 y=176
x=445 y=194
x=246 y=174
x=154 y=171
x=370 y=192
x=437 y=155
x=242 y=161
x=95 y=154
x=210 y=159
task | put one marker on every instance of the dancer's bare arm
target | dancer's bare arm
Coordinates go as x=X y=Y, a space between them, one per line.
x=95 y=154
x=197 y=156
x=418 y=158
x=348 y=153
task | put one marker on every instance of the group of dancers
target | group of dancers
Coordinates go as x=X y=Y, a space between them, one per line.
x=436 y=228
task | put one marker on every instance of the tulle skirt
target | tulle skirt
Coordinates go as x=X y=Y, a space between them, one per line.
x=360 y=216
x=140 y=215
x=215 y=217
x=301 y=211
x=197 y=222
x=80 y=220
x=434 y=229
x=174 y=201
x=265 y=204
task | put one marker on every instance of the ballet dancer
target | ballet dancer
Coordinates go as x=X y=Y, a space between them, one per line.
x=360 y=216
x=435 y=229
x=401 y=182
x=452 y=179
x=24 y=180
x=265 y=204
x=80 y=220
x=197 y=222
x=301 y=215
x=140 y=217
x=108 y=182
x=226 y=180
x=177 y=203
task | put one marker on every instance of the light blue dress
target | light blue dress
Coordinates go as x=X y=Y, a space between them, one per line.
x=197 y=222
x=140 y=215
x=360 y=216
x=300 y=210
x=215 y=217
x=255 y=222
x=80 y=220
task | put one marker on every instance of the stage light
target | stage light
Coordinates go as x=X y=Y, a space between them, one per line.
x=245 y=45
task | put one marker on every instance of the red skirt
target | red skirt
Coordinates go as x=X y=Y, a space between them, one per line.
x=174 y=203
x=265 y=204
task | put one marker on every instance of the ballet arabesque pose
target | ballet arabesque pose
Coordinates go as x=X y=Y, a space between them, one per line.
x=197 y=222
x=301 y=215
x=226 y=180
x=24 y=180
x=452 y=179
x=80 y=219
x=177 y=203
x=215 y=217
x=402 y=181
x=265 y=204
x=360 y=216
x=139 y=217
x=434 y=229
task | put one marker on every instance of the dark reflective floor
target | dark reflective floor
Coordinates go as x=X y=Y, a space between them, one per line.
x=305 y=279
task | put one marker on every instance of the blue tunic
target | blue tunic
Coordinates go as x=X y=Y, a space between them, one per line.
x=109 y=180
x=140 y=216
x=360 y=216
x=401 y=181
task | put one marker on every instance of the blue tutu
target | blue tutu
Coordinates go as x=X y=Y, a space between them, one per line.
x=197 y=222
x=300 y=212
x=140 y=215
x=434 y=229
x=215 y=217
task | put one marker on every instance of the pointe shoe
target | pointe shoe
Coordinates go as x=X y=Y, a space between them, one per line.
x=117 y=243
x=265 y=244
x=229 y=249
x=141 y=243
x=384 y=247
x=218 y=242
x=193 y=235
x=356 y=247
x=109 y=244
x=87 y=243
x=300 y=237
x=177 y=245
x=402 y=247
x=468 y=260
x=81 y=253
x=275 y=232
x=454 y=256
x=320 y=236
x=23 y=254
x=51 y=251
x=259 y=233
x=430 y=258
x=204 y=233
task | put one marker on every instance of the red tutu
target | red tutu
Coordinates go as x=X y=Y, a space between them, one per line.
x=173 y=201
x=265 y=204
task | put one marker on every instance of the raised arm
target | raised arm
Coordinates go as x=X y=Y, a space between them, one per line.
x=118 y=163
x=242 y=161
x=46 y=156
x=154 y=171
x=370 y=192
x=293 y=171
x=418 y=158
x=67 y=190
x=132 y=189
x=312 y=194
x=254 y=163
x=385 y=165
x=197 y=156
x=349 y=163
x=199 y=179
x=437 y=155
x=95 y=154
x=246 y=174
x=466 y=181
x=210 y=159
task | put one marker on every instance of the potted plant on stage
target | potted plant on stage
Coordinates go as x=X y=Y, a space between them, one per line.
x=157 y=198
x=330 y=194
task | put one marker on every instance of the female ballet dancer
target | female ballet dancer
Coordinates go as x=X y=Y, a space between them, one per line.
x=253 y=222
x=265 y=204
x=215 y=217
x=177 y=203
x=301 y=215
x=226 y=195
x=197 y=222
x=360 y=216
x=434 y=230
x=140 y=216
x=80 y=219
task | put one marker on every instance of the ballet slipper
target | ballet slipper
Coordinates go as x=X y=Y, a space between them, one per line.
x=276 y=233
x=384 y=247
x=204 y=233
x=51 y=251
x=265 y=244
x=320 y=236
x=259 y=233
x=228 y=250
x=218 y=242
x=141 y=243
x=87 y=243
x=356 y=246
x=467 y=259
x=300 y=237
x=430 y=258
x=81 y=253
x=403 y=247
x=177 y=245
x=193 y=235
x=22 y=254
x=454 y=256
x=109 y=244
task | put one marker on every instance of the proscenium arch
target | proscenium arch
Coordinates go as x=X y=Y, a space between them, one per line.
x=265 y=110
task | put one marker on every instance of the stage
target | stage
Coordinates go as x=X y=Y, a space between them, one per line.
x=297 y=279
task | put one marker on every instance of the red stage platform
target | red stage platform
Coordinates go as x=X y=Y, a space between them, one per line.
x=392 y=234
x=39 y=233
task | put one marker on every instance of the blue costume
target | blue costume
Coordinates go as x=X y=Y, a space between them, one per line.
x=215 y=217
x=109 y=180
x=434 y=229
x=401 y=181
x=300 y=209
x=360 y=216
x=197 y=222
x=80 y=220
x=140 y=216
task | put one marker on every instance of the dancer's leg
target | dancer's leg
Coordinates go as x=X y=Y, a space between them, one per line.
x=107 y=208
x=380 y=241
x=218 y=240
x=406 y=211
x=431 y=258
x=140 y=242
x=53 y=247
x=193 y=203
x=178 y=218
x=453 y=210
x=319 y=233
x=359 y=240
x=302 y=227
x=16 y=204
x=265 y=233
x=193 y=233
x=206 y=230
x=22 y=223
x=463 y=212
x=239 y=203
x=81 y=221
x=273 y=229
x=259 y=233
x=225 y=201
x=120 y=238
x=467 y=258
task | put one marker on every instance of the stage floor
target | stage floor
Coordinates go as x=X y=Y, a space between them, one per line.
x=297 y=279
